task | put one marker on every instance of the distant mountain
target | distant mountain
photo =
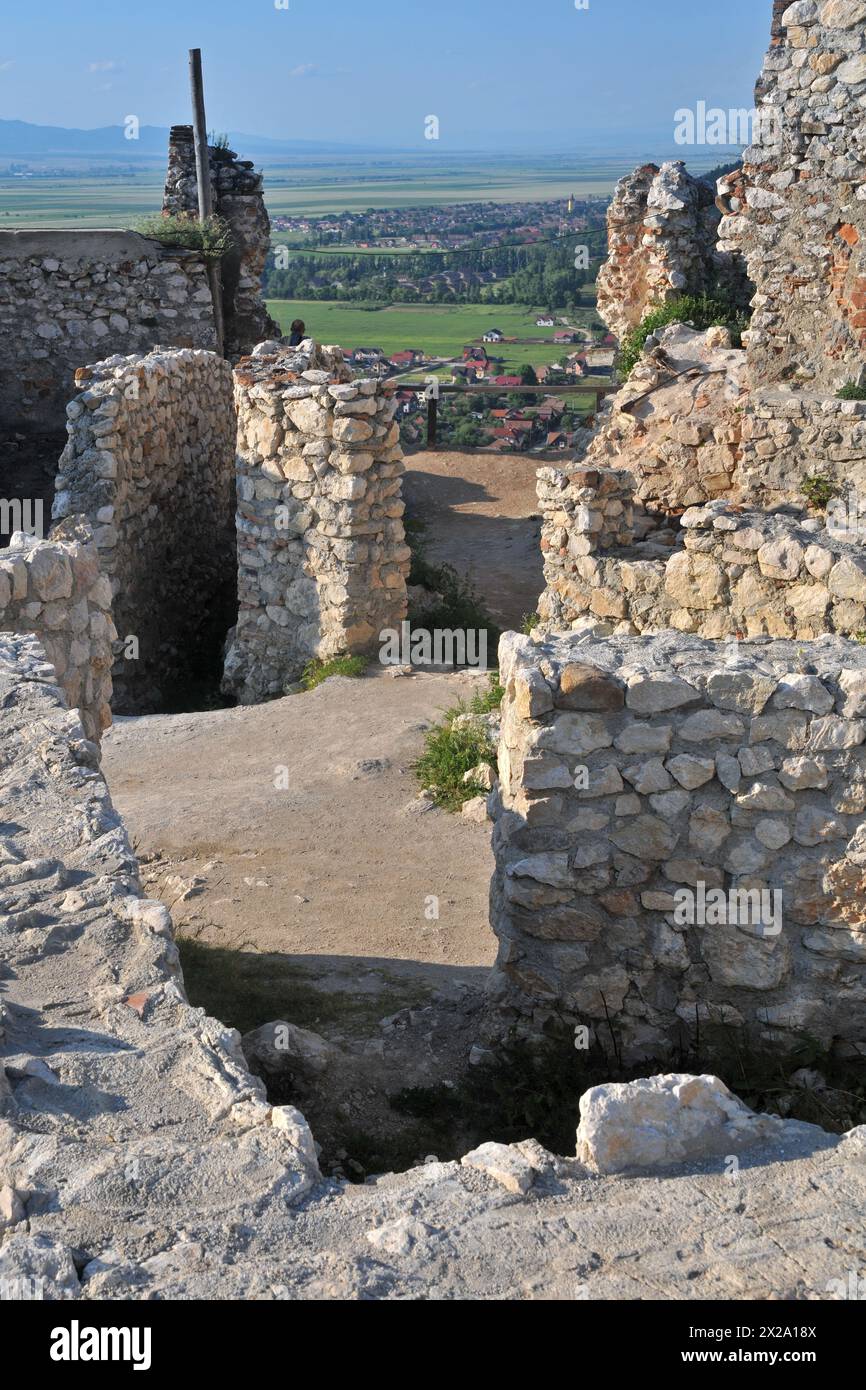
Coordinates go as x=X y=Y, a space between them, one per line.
x=19 y=140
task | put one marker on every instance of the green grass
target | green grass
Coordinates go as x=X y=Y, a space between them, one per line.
x=442 y=330
x=702 y=311
x=317 y=670
x=212 y=237
x=449 y=752
x=851 y=392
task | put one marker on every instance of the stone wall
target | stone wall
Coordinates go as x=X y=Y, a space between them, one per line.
x=677 y=423
x=54 y=589
x=150 y=462
x=662 y=231
x=636 y=770
x=67 y=297
x=322 y=557
x=727 y=571
x=237 y=196
x=797 y=212
x=790 y=436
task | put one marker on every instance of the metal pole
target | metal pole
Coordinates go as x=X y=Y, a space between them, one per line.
x=202 y=177
x=431 y=422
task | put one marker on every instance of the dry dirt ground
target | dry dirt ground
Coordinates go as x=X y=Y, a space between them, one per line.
x=295 y=828
x=481 y=514
x=299 y=864
x=306 y=878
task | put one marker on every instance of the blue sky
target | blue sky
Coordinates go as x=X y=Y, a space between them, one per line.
x=495 y=72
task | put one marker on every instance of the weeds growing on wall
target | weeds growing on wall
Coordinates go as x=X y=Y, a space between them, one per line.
x=819 y=490
x=699 y=311
x=212 y=237
x=851 y=392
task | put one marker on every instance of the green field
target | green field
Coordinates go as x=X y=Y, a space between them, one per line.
x=442 y=330
x=329 y=185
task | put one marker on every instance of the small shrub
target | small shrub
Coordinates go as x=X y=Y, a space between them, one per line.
x=701 y=311
x=819 y=490
x=212 y=237
x=317 y=670
x=851 y=392
x=530 y=620
x=454 y=748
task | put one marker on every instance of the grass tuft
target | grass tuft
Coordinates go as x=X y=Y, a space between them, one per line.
x=316 y=671
x=456 y=746
x=212 y=237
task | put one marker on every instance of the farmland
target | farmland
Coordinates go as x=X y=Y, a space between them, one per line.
x=117 y=197
x=441 y=330
x=304 y=186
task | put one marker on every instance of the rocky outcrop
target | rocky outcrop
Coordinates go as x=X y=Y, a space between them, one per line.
x=662 y=226
x=150 y=462
x=238 y=198
x=797 y=211
x=322 y=557
x=681 y=836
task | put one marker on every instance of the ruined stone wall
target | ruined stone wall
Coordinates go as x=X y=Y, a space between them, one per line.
x=726 y=572
x=54 y=589
x=677 y=423
x=237 y=196
x=322 y=557
x=150 y=462
x=788 y=437
x=634 y=768
x=67 y=297
x=662 y=230
x=798 y=210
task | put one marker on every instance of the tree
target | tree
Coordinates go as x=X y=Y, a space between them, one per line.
x=527 y=375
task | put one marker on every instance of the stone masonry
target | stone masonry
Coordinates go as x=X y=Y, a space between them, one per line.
x=322 y=556
x=150 y=462
x=140 y=1159
x=797 y=211
x=662 y=226
x=54 y=588
x=636 y=770
x=70 y=297
x=726 y=572
x=237 y=197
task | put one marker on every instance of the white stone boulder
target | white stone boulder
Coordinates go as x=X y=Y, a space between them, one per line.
x=661 y=1121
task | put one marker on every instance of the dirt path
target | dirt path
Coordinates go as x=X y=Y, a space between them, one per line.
x=481 y=513
x=331 y=874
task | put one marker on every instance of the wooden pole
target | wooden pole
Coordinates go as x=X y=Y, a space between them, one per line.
x=202 y=178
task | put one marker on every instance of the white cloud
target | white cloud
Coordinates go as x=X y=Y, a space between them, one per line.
x=304 y=70
x=105 y=65
x=4 y=67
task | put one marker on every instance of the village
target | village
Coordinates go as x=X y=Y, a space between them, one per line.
x=452 y=227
